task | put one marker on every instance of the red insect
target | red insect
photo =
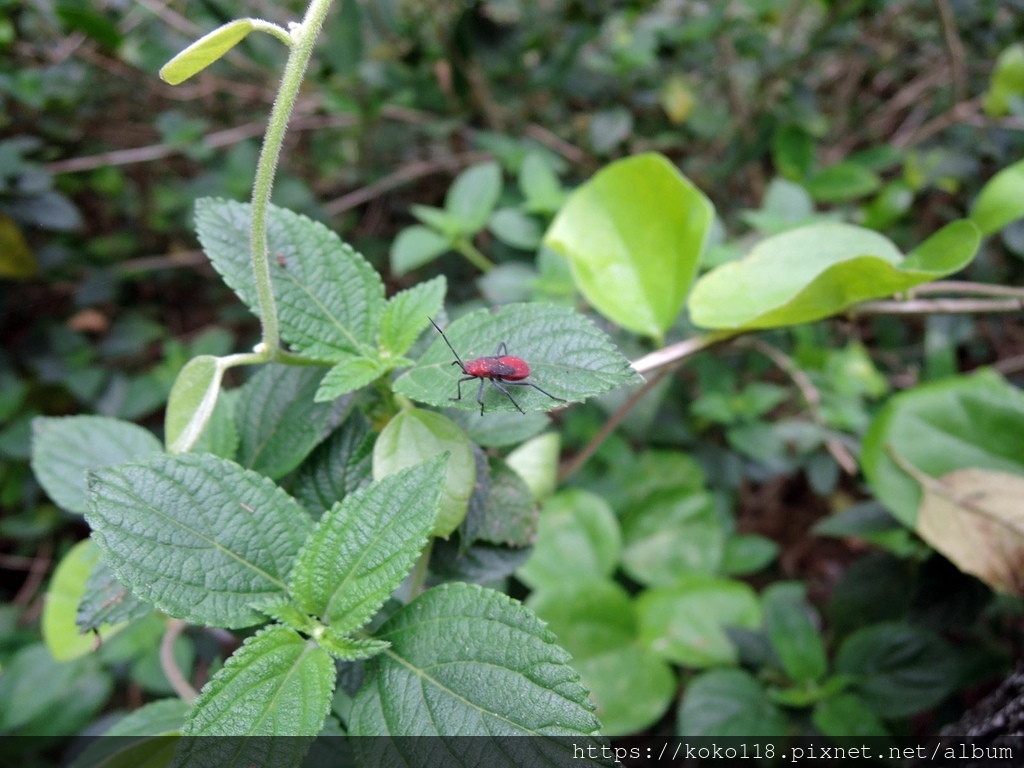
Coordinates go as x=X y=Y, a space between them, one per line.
x=501 y=367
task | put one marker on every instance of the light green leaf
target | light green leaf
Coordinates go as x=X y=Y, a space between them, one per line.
x=276 y=684
x=685 y=623
x=633 y=235
x=596 y=623
x=365 y=546
x=329 y=298
x=787 y=620
x=578 y=540
x=539 y=185
x=729 y=702
x=473 y=195
x=63 y=449
x=515 y=228
x=1006 y=89
x=747 y=553
x=439 y=220
x=1000 y=201
x=105 y=600
x=536 y=461
x=966 y=422
x=67 y=586
x=345 y=648
x=817 y=271
x=407 y=314
x=204 y=51
x=352 y=372
x=567 y=354
x=338 y=466
x=166 y=524
x=843 y=182
x=414 y=436
x=278 y=421
x=466 y=661
x=191 y=403
x=416 y=246
x=220 y=437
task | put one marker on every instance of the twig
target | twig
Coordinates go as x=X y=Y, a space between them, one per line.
x=965 y=286
x=962 y=112
x=935 y=307
x=401 y=177
x=1010 y=365
x=167 y=261
x=675 y=353
x=36 y=574
x=811 y=396
x=954 y=48
x=553 y=141
x=177 y=680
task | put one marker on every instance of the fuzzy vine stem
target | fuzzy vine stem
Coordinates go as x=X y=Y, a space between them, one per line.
x=303 y=38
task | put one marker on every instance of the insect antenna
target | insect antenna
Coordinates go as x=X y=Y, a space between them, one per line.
x=457 y=358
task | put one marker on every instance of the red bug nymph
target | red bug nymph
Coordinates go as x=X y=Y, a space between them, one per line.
x=499 y=369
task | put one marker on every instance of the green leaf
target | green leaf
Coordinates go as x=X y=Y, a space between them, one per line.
x=729 y=702
x=846 y=715
x=365 y=546
x=793 y=151
x=503 y=676
x=898 y=670
x=329 y=298
x=204 y=51
x=105 y=600
x=220 y=437
x=670 y=534
x=338 y=466
x=685 y=623
x=279 y=423
x=966 y=422
x=166 y=524
x=843 y=182
x=473 y=195
x=793 y=635
x=67 y=586
x=414 y=436
x=407 y=314
x=817 y=271
x=276 y=684
x=536 y=461
x=352 y=372
x=509 y=511
x=1000 y=201
x=416 y=246
x=1006 y=89
x=496 y=429
x=747 y=553
x=440 y=220
x=63 y=449
x=578 y=541
x=140 y=738
x=516 y=228
x=567 y=354
x=345 y=648
x=540 y=185
x=633 y=235
x=192 y=402
x=596 y=623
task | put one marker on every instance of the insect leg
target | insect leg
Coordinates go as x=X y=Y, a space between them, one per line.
x=507 y=394
x=480 y=396
x=502 y=350
x=531 y=384
x=458 y=386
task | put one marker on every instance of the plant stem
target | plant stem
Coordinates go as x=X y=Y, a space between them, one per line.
x=303 y=37
x=473 y=255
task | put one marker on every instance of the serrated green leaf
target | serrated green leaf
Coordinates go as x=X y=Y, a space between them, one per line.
x=503 y=676
x=67 y=586
x=567 y=354
x=204 y=51
x=536 y=461
x=276 y=684
x=414 y=436
x=633 y=235
x=282 y=610
x=812 y=272
x=338 y=466
x=416 y=246
x=473 y=195
x=729 y=702
x=1000 y=201
x=365 y=545
x=166 y=524
x=352 y=372
x=278 y=422
x=329 y=298
x=346 y=648
x=793 y=635
x=578 y=541
x=65 y=448
x=107 y=601
x=191 y=403
x=408 y=313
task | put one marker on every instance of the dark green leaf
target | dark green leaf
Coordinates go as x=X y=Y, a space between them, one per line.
x=846 y=715
x=793 y=635
x=106 y=600
x=842 y=183
x=338 y=466
x=729 y=702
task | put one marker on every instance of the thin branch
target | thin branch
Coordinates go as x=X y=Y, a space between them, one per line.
x=36 y=574
x=181 y=686
x=964 y=286
x=935 y=307
x=553 y=141
x=954 y=48
x=675 y=353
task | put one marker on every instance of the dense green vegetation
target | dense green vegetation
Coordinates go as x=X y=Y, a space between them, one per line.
x=763 y=258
